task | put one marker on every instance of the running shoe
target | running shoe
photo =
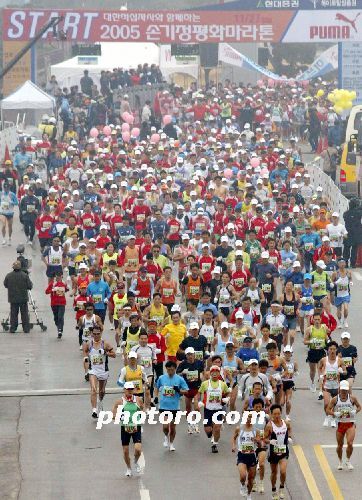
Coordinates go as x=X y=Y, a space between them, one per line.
x=172 y=448
x=190 y=429
x=275 y=495
x=214 y=449
x=118 y=350
x=81 y=348
x=261 y=487
x=326 y=421
x=333 y=422
x=9 y=242
x=166 y=443
x=345 y=324
x=340 y=466
x=243 y=490
x=287 y=418
x=349 y=465
x=312 y=387
x=248 y=497
x=281 y=493
x=137 y=468
x=4 y=243
x=254 y=486
x=128 y=473
x=86 y=377
x=320 y=396
x=60 y=334
x=196 y=429
x=94 y=413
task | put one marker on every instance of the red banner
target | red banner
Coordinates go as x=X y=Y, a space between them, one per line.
x=150 y=26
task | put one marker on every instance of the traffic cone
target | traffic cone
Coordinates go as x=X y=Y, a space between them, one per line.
x=7 y=153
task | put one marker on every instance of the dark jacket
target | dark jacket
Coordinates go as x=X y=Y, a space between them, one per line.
x=18 y=283
x=353 y=222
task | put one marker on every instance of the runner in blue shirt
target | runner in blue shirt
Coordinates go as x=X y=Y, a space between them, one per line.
x=170 y=388
x=100 y=293
x=8 y=201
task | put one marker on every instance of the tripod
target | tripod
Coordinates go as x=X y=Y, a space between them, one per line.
x=38 y=321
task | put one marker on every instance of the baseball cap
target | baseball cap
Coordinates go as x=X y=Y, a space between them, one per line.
x=296 y=263
x=288 y=348
x=194 y=326
x=224 y=238
x=253 y=362
x=185 y=237
x=325 y=238
x=239 y=314
x=132 y=354
x=265 y=255
x=214 y=368
x=335 y=214
x=321 y=264
x=82 y=265
x=130 y=385
x=307 y=276
x=216 y=270
x=344 y=385
x=345 y=335
x=224 y=324
x=189 y=350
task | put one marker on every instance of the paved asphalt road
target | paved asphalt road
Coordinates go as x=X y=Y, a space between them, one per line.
x=50 y=448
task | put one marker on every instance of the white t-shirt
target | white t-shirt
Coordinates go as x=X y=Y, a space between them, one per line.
x=336 y=234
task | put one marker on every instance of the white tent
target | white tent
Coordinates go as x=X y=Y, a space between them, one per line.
x=29 y=99
x=114 y=55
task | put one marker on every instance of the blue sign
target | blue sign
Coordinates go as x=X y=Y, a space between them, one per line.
x=285 y=5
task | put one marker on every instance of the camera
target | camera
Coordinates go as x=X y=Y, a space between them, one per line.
x=25 y=263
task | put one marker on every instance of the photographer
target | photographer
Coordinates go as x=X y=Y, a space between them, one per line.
x=18 y=284
x=352 y=219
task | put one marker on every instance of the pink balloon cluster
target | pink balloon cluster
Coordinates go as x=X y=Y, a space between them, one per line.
x=107 y=130
x=255 y=162
x=155 y=138
x=128 y=118
x=93 y=132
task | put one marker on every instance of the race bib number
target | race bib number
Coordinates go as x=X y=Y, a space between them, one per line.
x=215 y=397
x=239 y=282
x=146 y=362
x=173 y=229
x=194 y=290
x=192 y=375
x=199 y=355
x=167 y=292
x=137 y=384
x=205 y=267
x=86 y=332
x=224 y=299
x=87 y=222
x=318 y=343
x=266 y=287
x=347 y=361
x=97 y=359
x=143 y=301
x=168 y=391
x=276 y=330
x=247 y=447
x=289 y=310
x=97 y=298
x=30 y=208
x=55 y=261
x=331 y=375
x=141 y=217
x=132 y=262
x=280 y=449
x=5 y=205
x=308 y=247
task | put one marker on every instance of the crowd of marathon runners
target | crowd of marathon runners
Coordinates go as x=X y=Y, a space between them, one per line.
x=191 y=230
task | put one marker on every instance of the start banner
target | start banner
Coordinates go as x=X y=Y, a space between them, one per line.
x=167 y=27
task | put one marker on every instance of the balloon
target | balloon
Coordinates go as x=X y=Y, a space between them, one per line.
x=155 y=138
x=135 y=132
x=338 y=109
x=107 y=130
x=271 y=83
x=352 y=95
x=331 y=97
x=130 y=119
x=260 y=83
x=255 y=162
x=125 y=115
x=347 y=104
x=320 y=93
x=167 y=119
x=126 y=136
x=305 y=84
x=125 y=127
x=228 y=173
x=93 y=132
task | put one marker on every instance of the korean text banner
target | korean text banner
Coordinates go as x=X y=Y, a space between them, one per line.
x=189 y=26
x=150 y=26
x=285 y=4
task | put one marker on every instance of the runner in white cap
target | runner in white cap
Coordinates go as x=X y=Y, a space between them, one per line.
x=343 y=408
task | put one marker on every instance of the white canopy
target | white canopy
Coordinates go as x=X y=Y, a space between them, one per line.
x=114 y=55
x=28 y=96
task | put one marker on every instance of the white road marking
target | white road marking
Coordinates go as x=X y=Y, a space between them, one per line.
x=144 y=492
x=334 y=445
